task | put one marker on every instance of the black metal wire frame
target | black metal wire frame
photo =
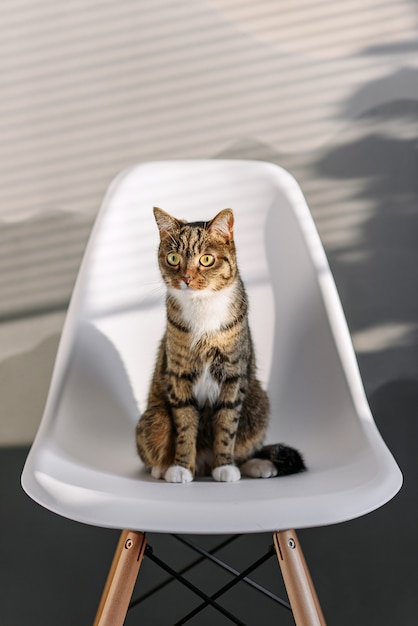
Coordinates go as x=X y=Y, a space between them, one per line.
x=209 y=600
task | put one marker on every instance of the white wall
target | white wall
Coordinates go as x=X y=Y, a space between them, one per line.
x=327 y=89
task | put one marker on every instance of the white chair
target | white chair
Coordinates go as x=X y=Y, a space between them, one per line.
x=83 y=464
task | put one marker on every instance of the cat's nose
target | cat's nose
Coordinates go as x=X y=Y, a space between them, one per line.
x=187 y=279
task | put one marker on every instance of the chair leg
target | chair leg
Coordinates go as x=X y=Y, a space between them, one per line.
x=120 y=582
x=302 y=596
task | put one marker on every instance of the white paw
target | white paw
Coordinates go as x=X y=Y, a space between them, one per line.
x=259 y=468
x=178 y=474
x=157 y=472
x=226 y=473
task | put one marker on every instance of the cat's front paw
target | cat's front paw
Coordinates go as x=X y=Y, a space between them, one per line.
x=178 y=474
x=259 y=468
x=226 y=473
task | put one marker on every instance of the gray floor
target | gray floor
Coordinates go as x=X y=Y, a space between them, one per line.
x=52 y=570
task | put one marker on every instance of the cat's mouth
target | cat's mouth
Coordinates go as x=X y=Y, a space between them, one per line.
x=191 y=290
x=184 y=287
x=189 y=286
x=187 y=283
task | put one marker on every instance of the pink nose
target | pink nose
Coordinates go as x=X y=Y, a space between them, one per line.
x=187 y=280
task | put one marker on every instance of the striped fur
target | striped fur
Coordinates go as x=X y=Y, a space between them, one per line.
x=207 y=411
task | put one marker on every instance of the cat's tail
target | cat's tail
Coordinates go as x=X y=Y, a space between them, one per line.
x=287 y=460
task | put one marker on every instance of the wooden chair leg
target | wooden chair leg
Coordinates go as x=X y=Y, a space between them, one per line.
x=120 y=582
x=299 y=586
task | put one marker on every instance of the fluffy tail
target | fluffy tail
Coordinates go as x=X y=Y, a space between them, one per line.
x=286 y=459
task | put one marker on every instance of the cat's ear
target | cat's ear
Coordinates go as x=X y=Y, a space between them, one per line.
x=223 y=224
x=167 y=224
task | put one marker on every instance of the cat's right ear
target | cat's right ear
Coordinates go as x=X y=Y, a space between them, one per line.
x=167 y=224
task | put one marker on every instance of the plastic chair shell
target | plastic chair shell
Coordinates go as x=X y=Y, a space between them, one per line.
x=83 y=464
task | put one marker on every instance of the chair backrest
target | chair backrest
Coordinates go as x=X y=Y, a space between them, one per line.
x=301 y=358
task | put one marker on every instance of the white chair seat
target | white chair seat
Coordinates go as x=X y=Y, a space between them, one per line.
x=84 y=465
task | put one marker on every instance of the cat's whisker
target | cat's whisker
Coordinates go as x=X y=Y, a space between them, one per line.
x=153 y=292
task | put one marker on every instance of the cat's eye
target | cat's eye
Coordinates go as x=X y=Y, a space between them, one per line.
x=207 y=260
x=173 y=259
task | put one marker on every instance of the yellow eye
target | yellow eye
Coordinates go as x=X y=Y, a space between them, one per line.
x=173 y=259
x=207 y=260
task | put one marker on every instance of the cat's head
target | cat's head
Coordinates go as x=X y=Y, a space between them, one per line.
x=197 y=256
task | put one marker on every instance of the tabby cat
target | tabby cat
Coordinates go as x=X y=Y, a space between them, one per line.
x=207 y=412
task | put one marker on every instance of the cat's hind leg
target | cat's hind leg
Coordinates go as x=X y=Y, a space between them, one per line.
x=258 y=468
x=155 y=440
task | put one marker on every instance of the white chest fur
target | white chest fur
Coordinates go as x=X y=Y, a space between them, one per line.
x=206 y=389
x=205 y=312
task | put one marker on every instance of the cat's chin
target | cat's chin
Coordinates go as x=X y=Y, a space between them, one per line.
x=189 y=292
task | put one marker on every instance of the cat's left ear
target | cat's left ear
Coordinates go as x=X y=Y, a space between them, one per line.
x=167 y=224
x=223 y=224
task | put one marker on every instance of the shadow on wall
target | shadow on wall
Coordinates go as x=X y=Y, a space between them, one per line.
x=39 y=258
x=376 y=272
x=388 y=260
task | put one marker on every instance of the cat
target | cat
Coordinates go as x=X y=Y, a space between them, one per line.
x=207 y=412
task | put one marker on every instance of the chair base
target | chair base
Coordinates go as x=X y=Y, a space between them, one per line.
x=133 y=546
